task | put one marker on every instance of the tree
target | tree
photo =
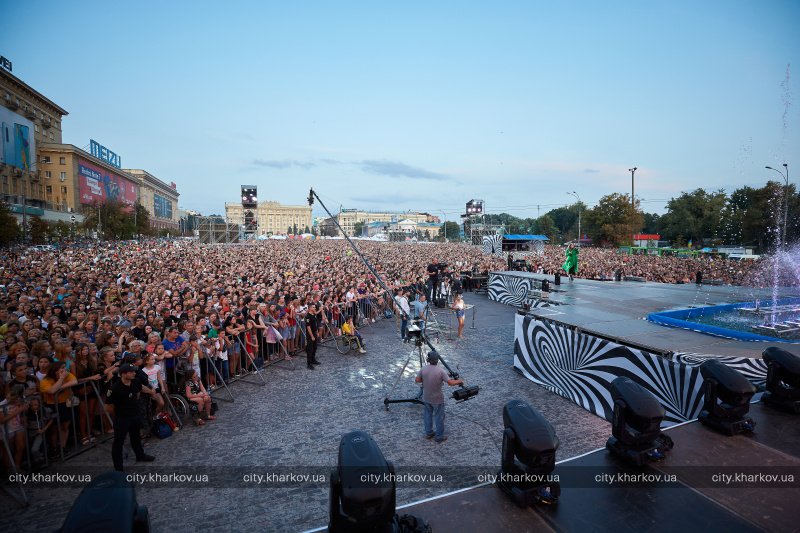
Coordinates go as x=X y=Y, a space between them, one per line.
x=10 y=231
x=753 y=217
x=695 y=215
x=289 y=230
x=142 y=219
x=613 y=221
x=450 y=229
x=38 y=230
x=358 y=228
x=110 y=219
x=306 y=230
x=60 y=230
x=566 y=221
x=545 y=226
x=651 y=223
x=294 y=229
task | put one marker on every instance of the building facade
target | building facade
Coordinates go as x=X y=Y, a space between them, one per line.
x=75 y=179
x=160 y=200
x=348 y=218
x=27 y=121
x=273 y=218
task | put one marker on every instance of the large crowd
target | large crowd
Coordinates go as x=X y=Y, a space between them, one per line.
x=190 y=318
x=187 y=317
x=605 y=263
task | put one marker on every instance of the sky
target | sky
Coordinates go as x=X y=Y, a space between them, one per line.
x=423 y=106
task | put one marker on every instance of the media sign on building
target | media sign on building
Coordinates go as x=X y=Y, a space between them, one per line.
x=98 y=185
x=104 y=154
x=18 y=143
x=162 y=207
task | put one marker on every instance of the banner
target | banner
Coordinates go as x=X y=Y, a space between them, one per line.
x=95 y=184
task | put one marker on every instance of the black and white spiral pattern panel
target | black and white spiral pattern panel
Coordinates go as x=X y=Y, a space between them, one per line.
x=581 y=367
x=510 y=290
x=493 y=245
x=755 y=370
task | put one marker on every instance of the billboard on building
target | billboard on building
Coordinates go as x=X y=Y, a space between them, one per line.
x=162 y=207
x=17 y=140
x=97 y=185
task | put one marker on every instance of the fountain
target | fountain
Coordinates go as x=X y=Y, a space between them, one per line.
x=776 y=320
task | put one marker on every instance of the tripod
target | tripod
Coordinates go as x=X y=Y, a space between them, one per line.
x=416 y=350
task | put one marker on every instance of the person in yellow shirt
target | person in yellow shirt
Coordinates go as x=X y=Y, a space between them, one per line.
x=56 y=388
x=348 y=328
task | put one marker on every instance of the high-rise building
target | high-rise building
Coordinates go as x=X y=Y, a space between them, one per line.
x=28 y=119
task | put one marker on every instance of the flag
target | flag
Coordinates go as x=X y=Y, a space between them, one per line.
x=690 y=243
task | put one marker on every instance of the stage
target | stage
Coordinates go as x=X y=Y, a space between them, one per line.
x=721 y=483
x=617 y=309
x=580 y=335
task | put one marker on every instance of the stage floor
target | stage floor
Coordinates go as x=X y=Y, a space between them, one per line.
x=617 y=310
x=700 y=499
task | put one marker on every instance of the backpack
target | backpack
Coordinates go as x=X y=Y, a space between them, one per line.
x=161 y=429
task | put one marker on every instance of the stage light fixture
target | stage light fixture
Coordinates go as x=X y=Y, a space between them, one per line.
x=783 y=379
x=108 y=503
x=636 y=427
x=362 y=488
x=528 y=456
x=726 y=400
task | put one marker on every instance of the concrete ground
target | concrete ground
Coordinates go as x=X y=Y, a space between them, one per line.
x=293 y=425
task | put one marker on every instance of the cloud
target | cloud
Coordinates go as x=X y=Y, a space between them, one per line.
x=285 y=163
x=390 y=198
x=400 y=170
x=591 y=171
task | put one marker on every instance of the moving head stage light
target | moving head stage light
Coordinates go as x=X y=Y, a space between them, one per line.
x=108 y=503
x=363 y=492
x=727 y=399
x=636 y=428
x=529 y=456
x=362 y=488
x=783 y=379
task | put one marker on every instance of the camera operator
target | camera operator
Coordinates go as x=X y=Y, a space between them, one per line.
x=404 y=310
x=433 y=279
x=432 y=377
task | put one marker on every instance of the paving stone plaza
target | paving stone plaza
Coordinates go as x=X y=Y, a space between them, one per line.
x=297 y=419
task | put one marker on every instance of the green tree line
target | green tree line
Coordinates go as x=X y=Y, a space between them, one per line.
x=748 y=216
x=110 y=220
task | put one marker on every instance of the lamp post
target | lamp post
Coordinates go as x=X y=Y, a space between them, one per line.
x=785 y=198
x=444 y=222
x=633 y=202
x=573 y=193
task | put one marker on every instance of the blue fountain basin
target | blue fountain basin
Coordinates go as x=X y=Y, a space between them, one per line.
x=722 y=320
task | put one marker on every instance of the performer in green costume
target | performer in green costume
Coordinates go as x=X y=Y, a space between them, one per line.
x=571 y=264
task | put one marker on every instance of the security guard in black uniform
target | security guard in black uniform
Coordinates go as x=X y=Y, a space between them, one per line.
x=124 y=395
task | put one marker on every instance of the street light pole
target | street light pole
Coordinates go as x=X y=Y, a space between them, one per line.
x=633 y=202
x=633 y=172
x=785 y=199
x=573 y=193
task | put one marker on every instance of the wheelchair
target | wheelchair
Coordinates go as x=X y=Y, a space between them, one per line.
x=345 y=343
x=185 y=409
